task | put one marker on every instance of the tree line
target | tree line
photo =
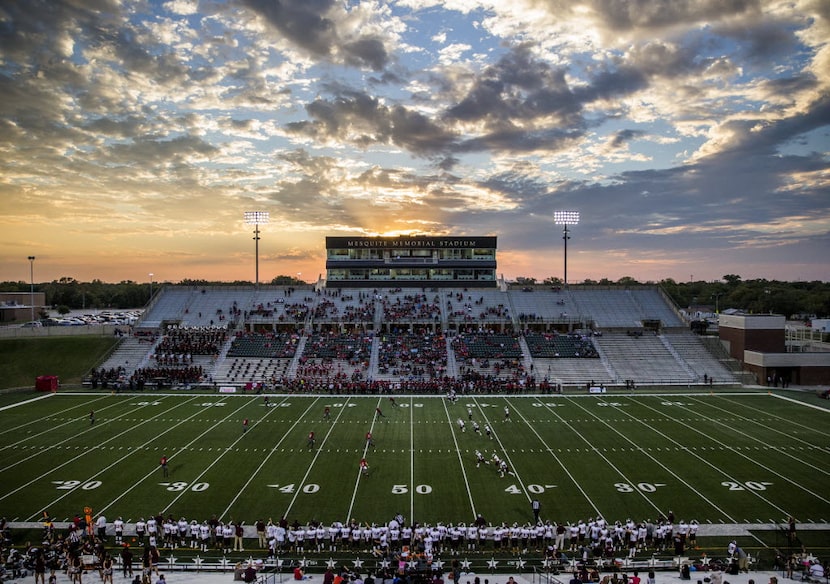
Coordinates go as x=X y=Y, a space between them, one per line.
x=799 y=300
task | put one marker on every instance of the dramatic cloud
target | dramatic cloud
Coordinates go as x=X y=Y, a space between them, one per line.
x=692 y=135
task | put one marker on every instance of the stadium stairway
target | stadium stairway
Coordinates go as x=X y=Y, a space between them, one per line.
x=677 y=357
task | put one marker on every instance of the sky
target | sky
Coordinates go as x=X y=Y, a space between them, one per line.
x=692 y=136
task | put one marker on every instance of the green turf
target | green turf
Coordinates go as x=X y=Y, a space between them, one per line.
x=23 y=360
x=718 y=458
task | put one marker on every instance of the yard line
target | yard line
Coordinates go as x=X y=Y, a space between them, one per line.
x=667 y=469
x=504 y=451
x=741 y=454
x=783 y=419
x=411 y=457
x=814 y=468
x=55 y=444
x=596 y=451
x=50 y=428
x=801 y=403
x=316 y=454
x=693 y=429
x=71 y=460
x=28 y=401
x=357 y=480
x=460 y=462
x=52 y=469
x=559 y=462
x=224 y=452
x=174 y=455
x=271 y=452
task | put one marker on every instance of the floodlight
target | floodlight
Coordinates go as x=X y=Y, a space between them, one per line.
x=566 y=218
x=257 y=218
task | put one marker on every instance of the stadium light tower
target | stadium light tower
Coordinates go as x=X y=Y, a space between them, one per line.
x=257 y=218
x=566 y=218
x=32 y=285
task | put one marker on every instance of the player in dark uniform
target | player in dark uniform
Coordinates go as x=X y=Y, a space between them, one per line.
x=310 y=443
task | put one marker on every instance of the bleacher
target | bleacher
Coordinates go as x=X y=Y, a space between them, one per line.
x=476 y=306
x=642 y=358
x=692 y=350
x=573 y=371
x=552 y=345
x=609 y=308
x=653 y=307
x=542 y=305
x=411 y=356
x=282 y=335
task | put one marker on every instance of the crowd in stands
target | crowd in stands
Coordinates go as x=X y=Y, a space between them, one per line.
x=166 y=375
x=179 y=344
x=411 y=307
x=297 y=312
x=471 y=310
x=413 y=355
x=106 y=378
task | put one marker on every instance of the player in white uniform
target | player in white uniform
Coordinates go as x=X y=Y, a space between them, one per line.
x=204 y=536
x=460 y=423
x=480 y=459
x=194 y=534
x=118 y=525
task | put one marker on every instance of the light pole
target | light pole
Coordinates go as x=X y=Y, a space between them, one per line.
x=566 y=218
x=257 y=218
x=32 y=285
x=717 y=296
x=151 y=286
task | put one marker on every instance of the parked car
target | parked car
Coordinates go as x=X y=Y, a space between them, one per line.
x=32 y=324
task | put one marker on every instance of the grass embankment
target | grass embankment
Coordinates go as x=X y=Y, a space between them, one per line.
x=22 y=360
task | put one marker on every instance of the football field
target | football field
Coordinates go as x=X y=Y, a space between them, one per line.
x=718 y=458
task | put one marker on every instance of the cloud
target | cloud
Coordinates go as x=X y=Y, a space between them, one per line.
x=319 y=27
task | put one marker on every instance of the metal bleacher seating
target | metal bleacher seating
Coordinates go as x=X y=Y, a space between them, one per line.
x=281 y=334
x=643 y=358
x=692 y=350
x=542 y=304
x=609 y=308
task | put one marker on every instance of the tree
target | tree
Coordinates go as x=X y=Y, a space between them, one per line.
x=525 y=281
x=284 y=280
